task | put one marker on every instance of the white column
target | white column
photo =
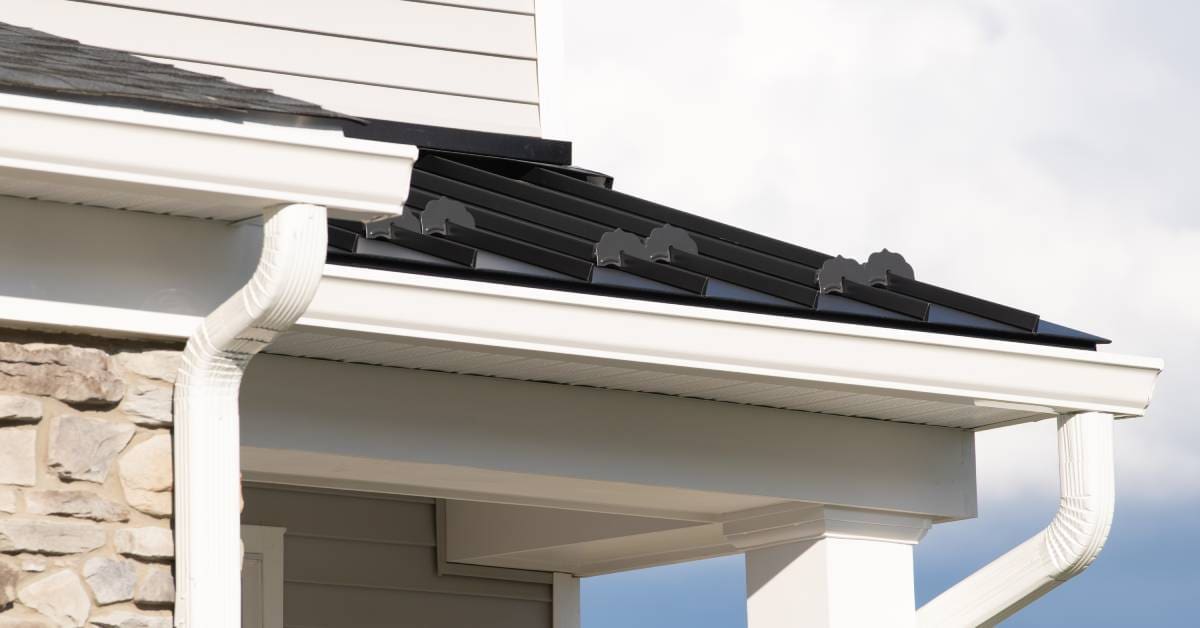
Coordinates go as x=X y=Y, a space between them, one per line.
x=566 y=601
x=826 y=567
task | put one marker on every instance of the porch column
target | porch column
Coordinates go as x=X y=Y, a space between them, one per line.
x=830 y=567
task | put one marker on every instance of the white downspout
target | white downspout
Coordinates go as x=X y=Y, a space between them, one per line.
x=206 y=411
x=1065 y=548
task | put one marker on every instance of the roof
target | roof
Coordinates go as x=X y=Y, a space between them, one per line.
x=37 y=63
x=526 y=223
x=538 y=223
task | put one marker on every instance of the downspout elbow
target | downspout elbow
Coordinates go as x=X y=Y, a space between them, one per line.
x=1080 y=528
x=1061 y=551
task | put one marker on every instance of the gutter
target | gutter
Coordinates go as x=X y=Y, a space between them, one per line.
x=1056 y=554
x=647 y=335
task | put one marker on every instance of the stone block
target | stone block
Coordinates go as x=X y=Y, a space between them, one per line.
x=111 y=579
x=10 y=573
x=127 y=619
x=149 y=405
x=18 y=409
x=59 y=596
x=83 y=448
x=18 y=456
x=73 y=375
x=160 y=365
x=79 y=504
x=157 y=588
x=45 y=536
x=146 y=475
x=145 y=543
x=24 y=618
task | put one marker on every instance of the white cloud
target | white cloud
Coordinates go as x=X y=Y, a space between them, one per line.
x=1039 y=154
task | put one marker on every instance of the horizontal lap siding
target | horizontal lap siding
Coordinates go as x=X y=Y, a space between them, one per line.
x=364 y=560
x=386 y=103
x=304 y=607
x=428 y=63
x=395 y=21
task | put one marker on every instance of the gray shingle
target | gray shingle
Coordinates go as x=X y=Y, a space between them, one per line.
x=35 y=62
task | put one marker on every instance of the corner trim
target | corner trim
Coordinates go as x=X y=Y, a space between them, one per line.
x=549 y=23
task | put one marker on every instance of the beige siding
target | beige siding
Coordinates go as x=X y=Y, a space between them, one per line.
x=366 y=560
x=395 y=21
x=424 y=62
x=385 y=103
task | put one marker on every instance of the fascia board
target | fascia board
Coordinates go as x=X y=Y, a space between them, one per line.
x=632 y=332
x=249 y=165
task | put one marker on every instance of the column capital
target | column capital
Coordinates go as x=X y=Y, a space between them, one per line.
x=808 y=522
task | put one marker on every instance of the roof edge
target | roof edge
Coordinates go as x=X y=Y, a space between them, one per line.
x=523 y=147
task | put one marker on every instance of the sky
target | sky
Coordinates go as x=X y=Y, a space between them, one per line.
x=1045 y=155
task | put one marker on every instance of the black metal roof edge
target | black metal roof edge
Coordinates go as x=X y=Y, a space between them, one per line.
x=380 y=263
x=506 y=145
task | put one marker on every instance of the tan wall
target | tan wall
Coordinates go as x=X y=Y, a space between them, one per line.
x=370 y=560
x=85 y=482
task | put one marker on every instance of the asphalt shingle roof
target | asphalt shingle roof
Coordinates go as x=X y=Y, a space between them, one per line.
x=38 y=63
x=510 y=221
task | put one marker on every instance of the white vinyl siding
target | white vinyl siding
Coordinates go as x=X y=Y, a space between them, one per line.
x=413 y=61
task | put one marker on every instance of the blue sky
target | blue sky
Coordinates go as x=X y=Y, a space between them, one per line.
x=1044 y=154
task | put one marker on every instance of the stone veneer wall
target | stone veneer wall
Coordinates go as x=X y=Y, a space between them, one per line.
x=85 y=482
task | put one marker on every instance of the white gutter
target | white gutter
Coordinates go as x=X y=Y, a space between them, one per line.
x=754 y=347
x=1056 y=554
x=161 y=163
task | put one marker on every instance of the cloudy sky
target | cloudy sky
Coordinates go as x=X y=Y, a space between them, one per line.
x=1041 y=154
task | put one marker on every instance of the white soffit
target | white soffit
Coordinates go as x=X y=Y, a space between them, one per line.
x=414 y=321
x=190 y=166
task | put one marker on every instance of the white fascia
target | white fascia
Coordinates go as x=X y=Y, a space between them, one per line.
x=705 y=340
x=193 y=166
